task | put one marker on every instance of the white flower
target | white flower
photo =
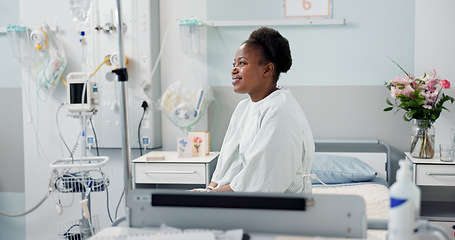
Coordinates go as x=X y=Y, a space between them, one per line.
x=393 y=92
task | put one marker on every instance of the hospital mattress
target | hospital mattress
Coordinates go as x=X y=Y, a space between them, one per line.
x=376 y=198
x=355 y=168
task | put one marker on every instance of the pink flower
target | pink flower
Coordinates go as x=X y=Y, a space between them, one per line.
x=444 y=84
x=420 y=98
x=430 y=85
x=197 y=143
x=406 y=91
x=430 y=98
x=427 y=106
x=400 y=80
x=432 y=75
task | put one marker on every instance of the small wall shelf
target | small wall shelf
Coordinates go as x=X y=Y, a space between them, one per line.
x=290 y=22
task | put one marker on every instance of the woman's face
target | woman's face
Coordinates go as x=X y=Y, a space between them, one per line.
x=250 y=73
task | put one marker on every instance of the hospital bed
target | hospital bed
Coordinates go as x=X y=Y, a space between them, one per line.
x=354 y=168
x=324 y=214
x=341 y=208
x=354 y=158
x=360 y=167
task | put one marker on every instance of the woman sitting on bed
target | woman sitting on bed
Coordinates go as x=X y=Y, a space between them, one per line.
x=268 y=145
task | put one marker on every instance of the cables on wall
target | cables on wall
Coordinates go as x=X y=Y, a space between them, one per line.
x=144 y=106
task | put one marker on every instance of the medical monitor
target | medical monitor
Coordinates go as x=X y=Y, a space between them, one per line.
x=274 y=213
x=76 y=93
x=81 y=92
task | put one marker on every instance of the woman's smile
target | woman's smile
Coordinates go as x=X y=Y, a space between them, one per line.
x=236 y=80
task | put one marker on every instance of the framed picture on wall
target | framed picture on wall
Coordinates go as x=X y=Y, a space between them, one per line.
x=307 y=8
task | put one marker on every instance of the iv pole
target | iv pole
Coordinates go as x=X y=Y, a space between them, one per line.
x=122 y=76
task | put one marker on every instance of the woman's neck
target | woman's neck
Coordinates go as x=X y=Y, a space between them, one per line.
x=270 y=90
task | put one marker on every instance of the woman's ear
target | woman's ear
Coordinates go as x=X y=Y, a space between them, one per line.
x=268 y=69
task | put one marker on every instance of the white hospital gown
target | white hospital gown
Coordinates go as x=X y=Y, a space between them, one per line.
x=268 y=147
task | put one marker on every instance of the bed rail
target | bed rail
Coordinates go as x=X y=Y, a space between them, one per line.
x=353 y=145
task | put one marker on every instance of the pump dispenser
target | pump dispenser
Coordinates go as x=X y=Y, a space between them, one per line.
x=404 y=205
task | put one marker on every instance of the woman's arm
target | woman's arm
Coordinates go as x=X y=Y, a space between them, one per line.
x=225 y=188
x=211 y=186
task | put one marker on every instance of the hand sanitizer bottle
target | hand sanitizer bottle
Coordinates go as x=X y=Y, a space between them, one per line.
x=404 y=205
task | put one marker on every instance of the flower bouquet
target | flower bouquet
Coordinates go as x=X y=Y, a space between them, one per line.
x=422 y=100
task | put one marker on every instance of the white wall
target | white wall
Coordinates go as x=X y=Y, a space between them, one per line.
x=435 y=49
x=11 y=144
x=354 y=54
x=174 y=65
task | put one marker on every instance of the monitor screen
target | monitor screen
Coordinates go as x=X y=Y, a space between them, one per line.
x=76 y=93
x=296 y=203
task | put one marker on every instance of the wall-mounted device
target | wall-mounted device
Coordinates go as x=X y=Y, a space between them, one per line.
x=82 y=93
x=39 y=39
x=141 y=45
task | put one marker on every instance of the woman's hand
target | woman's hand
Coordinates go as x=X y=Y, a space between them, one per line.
x=225 y=188
x=201 y=190
x=209 y=188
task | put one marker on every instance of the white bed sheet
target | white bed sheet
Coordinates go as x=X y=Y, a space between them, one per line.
x=376 y=198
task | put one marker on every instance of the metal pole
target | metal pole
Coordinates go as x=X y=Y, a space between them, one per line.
x=122 y=76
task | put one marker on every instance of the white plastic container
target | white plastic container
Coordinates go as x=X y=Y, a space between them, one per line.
x=80 y=9
x=404 y=205
x=189 y=35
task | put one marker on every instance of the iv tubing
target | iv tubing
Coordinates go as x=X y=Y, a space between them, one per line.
x=161 y=52
x=29 y=211
x=49 y=191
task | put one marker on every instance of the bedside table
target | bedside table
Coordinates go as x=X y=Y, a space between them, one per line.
x=436 y=180
x=164 y=170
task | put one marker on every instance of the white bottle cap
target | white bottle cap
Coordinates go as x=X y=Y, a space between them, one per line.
x=404 y=172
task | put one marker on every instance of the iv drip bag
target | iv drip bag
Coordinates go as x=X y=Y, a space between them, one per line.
x=80 y=9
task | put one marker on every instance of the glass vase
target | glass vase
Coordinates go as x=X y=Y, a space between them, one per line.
x=422 y=139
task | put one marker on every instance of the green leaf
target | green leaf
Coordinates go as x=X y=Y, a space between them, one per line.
x=388 y=109
x=406 y=119
x=388 y=102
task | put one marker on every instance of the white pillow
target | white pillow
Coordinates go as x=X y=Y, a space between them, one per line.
x=333 y=169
